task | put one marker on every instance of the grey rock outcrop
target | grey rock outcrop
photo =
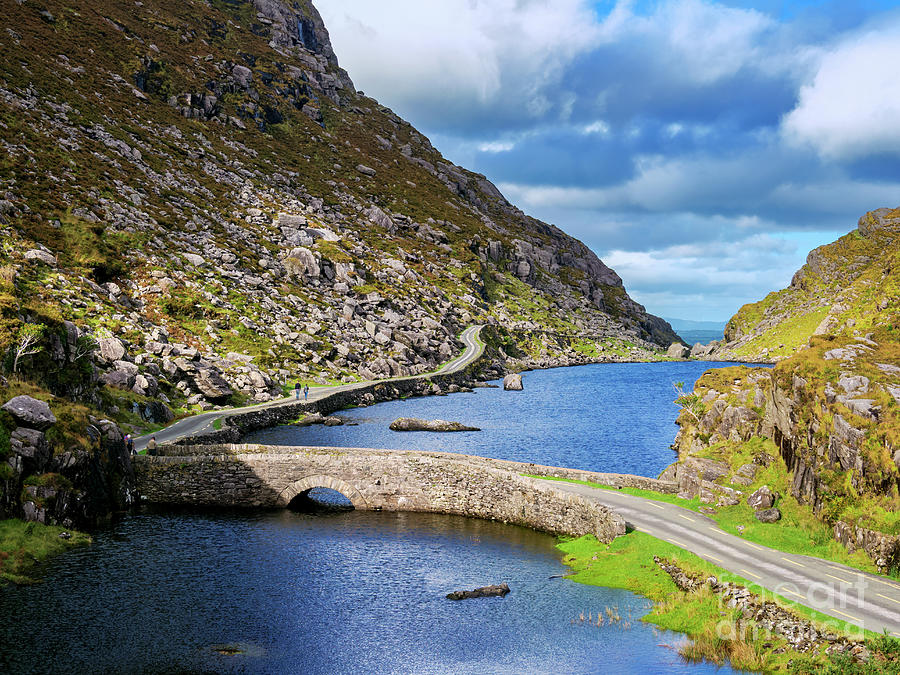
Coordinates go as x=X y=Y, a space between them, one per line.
x=772 y=515
x=677 y=350
x=763 y=498
x=30 y=412
x=415 y=424
x=513 y=382
x=495 y=591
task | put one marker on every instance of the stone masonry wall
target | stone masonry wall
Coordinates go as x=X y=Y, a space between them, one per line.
x=238 y=425
x=269 y=477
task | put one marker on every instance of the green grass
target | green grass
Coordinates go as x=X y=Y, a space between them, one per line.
x=24 y=545
x=798 y=532
x=628 y=563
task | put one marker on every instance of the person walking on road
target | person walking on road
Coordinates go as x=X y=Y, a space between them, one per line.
x=129 y=444
x=297 y=391
x=305 y=392
x=151 y=446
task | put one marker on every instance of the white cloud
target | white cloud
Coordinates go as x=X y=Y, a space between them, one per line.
x=458 y=51
x=851 y=108
x=700 y=41
x=599 y=127
x=707 y=280
x=496 y=146
x=752 y=183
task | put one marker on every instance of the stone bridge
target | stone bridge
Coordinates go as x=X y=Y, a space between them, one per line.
x=257 y=476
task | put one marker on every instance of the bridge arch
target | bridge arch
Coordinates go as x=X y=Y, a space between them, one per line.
x=322 y=481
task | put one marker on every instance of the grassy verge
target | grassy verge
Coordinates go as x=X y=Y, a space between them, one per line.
x=23 y=545
x=628 y=563
x=798 y=531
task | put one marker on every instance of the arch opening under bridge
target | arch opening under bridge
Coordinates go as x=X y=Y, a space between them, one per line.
x=299 y=494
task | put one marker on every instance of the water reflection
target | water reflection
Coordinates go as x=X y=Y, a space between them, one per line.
x=352 y=592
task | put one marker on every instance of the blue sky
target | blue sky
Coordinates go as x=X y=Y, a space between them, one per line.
x=700 y=148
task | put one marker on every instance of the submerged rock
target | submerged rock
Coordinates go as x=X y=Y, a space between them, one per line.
x=496 y=591
x=415 y=424
x=318 y=418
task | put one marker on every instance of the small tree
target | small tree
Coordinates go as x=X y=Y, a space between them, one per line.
x=690 y=403
x=28 y=339
x=84 y=346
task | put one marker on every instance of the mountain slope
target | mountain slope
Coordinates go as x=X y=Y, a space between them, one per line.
x=831 y=409
x=846 y=287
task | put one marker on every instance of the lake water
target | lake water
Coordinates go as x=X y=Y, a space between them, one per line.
x=361 y=592
x=615 y=417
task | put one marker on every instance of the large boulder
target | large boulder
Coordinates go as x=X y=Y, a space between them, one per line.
x=211 y=383
x=677 y=350
x=118 y=379
x=111 y=349
x=496 y=591
x=513 y=382
x=763 y=498
x=768 y=515
x=30 y=412
x=414 y=424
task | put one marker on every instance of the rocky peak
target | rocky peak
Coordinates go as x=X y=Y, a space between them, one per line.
x=298 y=26
x=879 y=219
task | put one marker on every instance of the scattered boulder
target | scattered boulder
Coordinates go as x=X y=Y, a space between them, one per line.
x=415 y=424
x=41 y=256
x=211 y=384
x=111 y=349
x=30 y=412
x=242 y=75
x=365 y=170
x=513 y=382
x=496 y=591
x=763 y=498
x=318 y=418
x=768 y=515
x=677 y=350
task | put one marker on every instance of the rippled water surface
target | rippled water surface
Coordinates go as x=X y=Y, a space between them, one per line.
x=348 y=593
x=616 y=417
x=283 y=592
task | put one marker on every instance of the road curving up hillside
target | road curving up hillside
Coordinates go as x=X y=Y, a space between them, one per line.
x=199 y=424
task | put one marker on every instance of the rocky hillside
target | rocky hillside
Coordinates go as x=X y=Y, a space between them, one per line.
x=197 y=206
x=832 y=409
x=847 y=287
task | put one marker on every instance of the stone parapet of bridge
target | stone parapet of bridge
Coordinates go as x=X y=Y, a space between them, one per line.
x=257 y=476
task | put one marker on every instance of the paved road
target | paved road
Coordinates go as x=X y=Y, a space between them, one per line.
x=203 y=422
x=866 y=600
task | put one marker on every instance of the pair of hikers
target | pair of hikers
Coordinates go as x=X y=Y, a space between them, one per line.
x=129 y=445
x=305 y=391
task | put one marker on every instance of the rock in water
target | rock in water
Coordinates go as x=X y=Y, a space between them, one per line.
x=483 y=592
x=513 y=382
x=768 y=516
x=415 y=424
